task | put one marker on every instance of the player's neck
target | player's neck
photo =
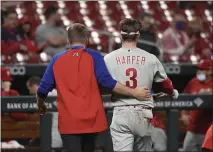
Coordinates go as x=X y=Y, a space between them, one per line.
x=78 y=44
x=50 y=22
x=129 y=44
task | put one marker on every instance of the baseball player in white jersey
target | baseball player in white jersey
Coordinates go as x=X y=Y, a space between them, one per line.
x=131 y=128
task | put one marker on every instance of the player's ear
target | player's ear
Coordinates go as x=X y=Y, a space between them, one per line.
x=138 y=36
x=68 y=43
x=121 y=38
x=87 y=41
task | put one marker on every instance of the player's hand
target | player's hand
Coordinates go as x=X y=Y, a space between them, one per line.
x=160 y=95
x=42 y=108
x=185 y=119
x=142 y=94
x=175 y=94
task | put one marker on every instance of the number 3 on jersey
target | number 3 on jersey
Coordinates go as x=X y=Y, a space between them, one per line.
x=132 y=74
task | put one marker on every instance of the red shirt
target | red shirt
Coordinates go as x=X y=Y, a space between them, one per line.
x=76 y=74
x=9 y=42
x=12 y=92
x=30 y=44
x=157 y=121
x=199 y=120
x=208 y=139
x=199 y=47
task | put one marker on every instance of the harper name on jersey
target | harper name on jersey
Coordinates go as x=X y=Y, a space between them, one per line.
x=130 y=60
x=134 y=67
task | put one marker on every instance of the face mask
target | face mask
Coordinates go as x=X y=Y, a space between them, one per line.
x=201 y=77
x=179 y=25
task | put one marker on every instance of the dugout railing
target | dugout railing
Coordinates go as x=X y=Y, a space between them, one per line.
x=184 y=102
x=183 y=69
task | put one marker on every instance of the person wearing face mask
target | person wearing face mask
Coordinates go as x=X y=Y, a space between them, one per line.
x=51 y=37
x=147 y=40
x=198 y=121
x=175 y=40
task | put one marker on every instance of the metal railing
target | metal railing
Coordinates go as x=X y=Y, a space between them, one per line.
x=187 y=102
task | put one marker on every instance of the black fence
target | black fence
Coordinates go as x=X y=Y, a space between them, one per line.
x=187 y=102
x=38 y=69
x=180 y=74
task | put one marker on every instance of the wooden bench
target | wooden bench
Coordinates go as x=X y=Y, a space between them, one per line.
x=20 y=129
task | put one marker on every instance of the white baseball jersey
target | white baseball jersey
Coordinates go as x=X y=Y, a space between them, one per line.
x=134 y=67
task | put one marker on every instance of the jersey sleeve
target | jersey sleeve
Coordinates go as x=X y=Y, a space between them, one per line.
x=47 y=83
x=102 y=74
x=159 y=72
x=108 y=65
x=161 y=78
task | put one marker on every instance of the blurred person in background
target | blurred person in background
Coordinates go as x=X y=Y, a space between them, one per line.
x=51 y=37
x=201 y=46
x=175 y=40
x=9 y=4
x=10 y=42
x=198 y=121
x=26 y=36
x=6 y=90
x=148 y=35
x=6 y=80
x=32 y=85
x=159 y=131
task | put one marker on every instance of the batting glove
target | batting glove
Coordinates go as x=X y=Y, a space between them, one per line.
x=175 y=94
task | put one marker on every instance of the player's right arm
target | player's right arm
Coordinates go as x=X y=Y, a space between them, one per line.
x=105 y=80
x=46 y=85
x=162 y=81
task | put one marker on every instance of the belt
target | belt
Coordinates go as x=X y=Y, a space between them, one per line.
x=139 y=106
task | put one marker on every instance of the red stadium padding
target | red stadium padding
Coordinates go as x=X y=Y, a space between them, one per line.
x=114 y=7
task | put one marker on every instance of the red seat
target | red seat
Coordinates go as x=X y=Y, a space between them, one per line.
x=29 y=8
x=72 y=6
x=135 y=7
x=105 y=42
x=171 y=4
x=49 y=4
x=153 y=4
x=92 y=5
x=99 y=24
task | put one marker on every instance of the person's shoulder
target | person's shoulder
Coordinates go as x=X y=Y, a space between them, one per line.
x=112 y=54
x=168 y=31
x=41 y=28
x=145 y=53
x=193 y=81
x=55 y=57
x=93 y=53
x=14 y=92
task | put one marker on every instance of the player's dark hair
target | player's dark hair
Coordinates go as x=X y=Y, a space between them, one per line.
x=34 y=80
x=77 y=33
x=129 y=26
x=50 y=11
